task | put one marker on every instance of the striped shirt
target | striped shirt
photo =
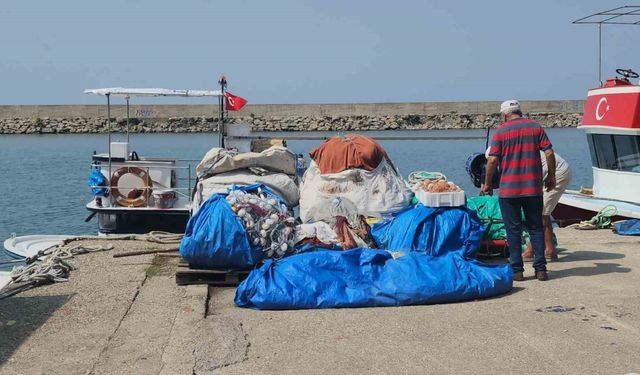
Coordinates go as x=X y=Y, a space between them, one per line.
x=517 y=143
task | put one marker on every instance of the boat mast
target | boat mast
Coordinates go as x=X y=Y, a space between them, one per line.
x=221 y=107
x=109 y=131
x=600 y=53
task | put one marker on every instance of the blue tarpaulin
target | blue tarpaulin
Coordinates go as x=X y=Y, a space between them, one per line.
x=95 y=180
x=435 y=231
x=429 y=264
x=629 y=227
x=367 y=278
x=215 y=237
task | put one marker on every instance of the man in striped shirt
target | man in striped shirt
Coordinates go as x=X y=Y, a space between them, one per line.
x=516 y=145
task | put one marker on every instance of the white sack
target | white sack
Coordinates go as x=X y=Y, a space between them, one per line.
x=320 y=230
x=374 y=193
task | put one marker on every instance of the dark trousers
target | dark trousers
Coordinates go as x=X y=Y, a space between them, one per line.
x=512 y=209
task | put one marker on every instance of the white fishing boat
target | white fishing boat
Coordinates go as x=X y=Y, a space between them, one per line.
x=137 y=193
x=611 y=121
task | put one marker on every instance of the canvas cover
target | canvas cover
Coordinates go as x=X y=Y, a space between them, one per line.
x=368 y=278
x=434 y=231
x=215 y=237
x=351 y=151
x=281 y=184
x=375 y=193
x=218 y=160
x=629 y=227
x=425 y=260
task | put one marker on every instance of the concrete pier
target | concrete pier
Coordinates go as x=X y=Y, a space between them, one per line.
x=127 y=316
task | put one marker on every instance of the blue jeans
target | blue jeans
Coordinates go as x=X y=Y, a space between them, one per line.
x=512 y=209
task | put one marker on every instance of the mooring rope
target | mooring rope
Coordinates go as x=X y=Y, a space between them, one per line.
x=52 y=265
x=601 y=220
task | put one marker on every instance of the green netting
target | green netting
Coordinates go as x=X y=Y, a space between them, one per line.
x=488 y=211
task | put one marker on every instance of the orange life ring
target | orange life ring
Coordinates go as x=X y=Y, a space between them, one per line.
x=124 y=200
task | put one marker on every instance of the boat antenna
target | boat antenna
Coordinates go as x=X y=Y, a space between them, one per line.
x=221 y=108
x=624 y=15
x=127 y=97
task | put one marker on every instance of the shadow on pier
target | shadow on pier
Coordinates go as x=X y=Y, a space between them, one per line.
x=598 y=268
x=21 y=316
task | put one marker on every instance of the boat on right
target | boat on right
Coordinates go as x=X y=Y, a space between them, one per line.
x=611 y=121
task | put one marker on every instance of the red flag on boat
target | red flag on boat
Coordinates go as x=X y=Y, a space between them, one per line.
x=234 y=103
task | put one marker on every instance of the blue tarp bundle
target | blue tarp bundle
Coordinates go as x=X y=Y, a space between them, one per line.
x=367 y=278
x=629 y=227
x=95 y=180
x=215 y=237
x=429 y=265
x=435 y=231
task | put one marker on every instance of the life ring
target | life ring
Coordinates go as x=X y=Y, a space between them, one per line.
x=124 y=200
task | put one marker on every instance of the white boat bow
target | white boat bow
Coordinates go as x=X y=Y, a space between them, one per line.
x=28 y=246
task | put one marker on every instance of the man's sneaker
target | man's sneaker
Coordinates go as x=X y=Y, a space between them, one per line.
x=518 y=276
x=542 y=275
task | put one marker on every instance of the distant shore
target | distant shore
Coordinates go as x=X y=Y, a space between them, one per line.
x=83 y=119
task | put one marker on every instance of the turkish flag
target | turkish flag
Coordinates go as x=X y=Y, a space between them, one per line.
x=234 y=103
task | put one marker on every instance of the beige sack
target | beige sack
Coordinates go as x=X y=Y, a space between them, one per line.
x=274 y=159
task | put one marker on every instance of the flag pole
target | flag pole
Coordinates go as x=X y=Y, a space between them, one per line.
x=221 y=108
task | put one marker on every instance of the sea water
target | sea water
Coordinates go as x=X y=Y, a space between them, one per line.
x=43 y=187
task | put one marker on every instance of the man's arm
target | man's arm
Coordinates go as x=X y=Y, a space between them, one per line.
x=550 y=181
x=492 y=165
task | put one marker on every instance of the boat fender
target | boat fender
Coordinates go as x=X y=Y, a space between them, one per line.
x=125 y=200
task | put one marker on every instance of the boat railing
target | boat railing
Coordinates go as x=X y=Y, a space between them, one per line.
x=183 y=181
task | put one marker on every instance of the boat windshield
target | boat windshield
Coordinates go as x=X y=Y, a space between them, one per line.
x=615 y=152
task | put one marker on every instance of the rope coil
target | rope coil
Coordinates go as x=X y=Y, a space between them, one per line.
x=52 y=264
x=601 y=220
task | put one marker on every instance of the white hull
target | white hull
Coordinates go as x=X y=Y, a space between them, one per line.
x=594 y=204
x=28 y=246
x=617 y=185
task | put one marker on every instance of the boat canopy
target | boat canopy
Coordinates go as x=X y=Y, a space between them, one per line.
x=121 y=91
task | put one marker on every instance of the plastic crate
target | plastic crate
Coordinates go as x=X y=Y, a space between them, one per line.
x=447 y=199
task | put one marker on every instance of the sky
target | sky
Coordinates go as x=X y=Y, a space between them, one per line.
x=323 y=51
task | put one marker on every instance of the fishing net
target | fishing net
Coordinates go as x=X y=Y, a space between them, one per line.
x=268 y=223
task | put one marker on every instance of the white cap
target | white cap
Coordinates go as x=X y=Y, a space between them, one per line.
x=509 y=106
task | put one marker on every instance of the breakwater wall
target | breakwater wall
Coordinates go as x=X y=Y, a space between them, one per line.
x=54 y=119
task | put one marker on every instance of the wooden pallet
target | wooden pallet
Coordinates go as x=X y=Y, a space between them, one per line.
x=187 y=275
